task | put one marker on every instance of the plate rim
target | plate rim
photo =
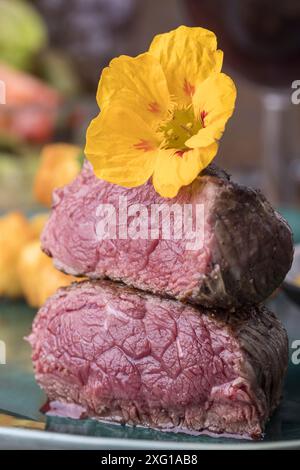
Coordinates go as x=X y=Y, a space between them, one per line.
x=48 y=440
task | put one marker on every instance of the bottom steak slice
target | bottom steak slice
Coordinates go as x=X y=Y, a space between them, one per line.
x=117 y=354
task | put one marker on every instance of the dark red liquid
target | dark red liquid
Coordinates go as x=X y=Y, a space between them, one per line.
x=260 y=38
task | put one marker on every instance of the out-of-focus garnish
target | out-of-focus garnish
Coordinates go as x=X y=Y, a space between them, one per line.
x=38 y=277
x=22 y=33
x=15 y=233
x=31 y=108
x=59 y=165
x=25 y=271
x=37 y=223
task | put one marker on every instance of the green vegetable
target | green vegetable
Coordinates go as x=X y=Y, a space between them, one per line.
x=57 y=70
x=22 y=33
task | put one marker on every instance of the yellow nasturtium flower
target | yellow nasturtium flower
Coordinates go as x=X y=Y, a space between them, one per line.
x=162 y=113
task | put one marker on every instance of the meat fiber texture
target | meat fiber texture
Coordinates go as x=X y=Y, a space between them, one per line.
x=246 y=247
x=105 y=350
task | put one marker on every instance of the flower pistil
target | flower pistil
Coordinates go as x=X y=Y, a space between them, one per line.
x=180 y=125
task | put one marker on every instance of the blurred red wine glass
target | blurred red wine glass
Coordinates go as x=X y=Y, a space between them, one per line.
x=260 y=38
x=261 y=42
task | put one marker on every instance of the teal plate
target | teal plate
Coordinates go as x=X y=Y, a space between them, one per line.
x=21 y=400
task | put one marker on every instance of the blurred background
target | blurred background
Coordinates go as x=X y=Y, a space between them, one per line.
x=51 y=56
x=52 y=53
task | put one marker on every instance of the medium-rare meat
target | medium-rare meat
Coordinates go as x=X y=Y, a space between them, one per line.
x=105 y=350
x=246 y=251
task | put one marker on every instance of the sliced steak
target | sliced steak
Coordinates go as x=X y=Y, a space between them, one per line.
x=104 y=350
x=247 y=247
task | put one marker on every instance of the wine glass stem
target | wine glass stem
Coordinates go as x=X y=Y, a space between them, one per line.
x=275 y=165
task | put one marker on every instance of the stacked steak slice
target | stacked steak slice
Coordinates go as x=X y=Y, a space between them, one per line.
x=212 y=360
x=246 y=253
x=132 y=357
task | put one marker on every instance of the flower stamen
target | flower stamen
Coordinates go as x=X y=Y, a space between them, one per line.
x=187 y=129
x=188 y=88
x=154 y=107
x=143 y=145
x=180 y=126
x=203 y=115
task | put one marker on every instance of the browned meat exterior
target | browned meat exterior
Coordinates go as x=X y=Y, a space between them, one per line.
x=246 y=253
x=105 y=350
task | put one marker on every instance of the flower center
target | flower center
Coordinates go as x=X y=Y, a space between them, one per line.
x=179 y=127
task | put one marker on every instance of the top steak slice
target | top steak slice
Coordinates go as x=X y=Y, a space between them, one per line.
x=105 y=350
x=247 y=246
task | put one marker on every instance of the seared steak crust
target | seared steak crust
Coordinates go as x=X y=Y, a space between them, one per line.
x=253 y=249
x=123 y=355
